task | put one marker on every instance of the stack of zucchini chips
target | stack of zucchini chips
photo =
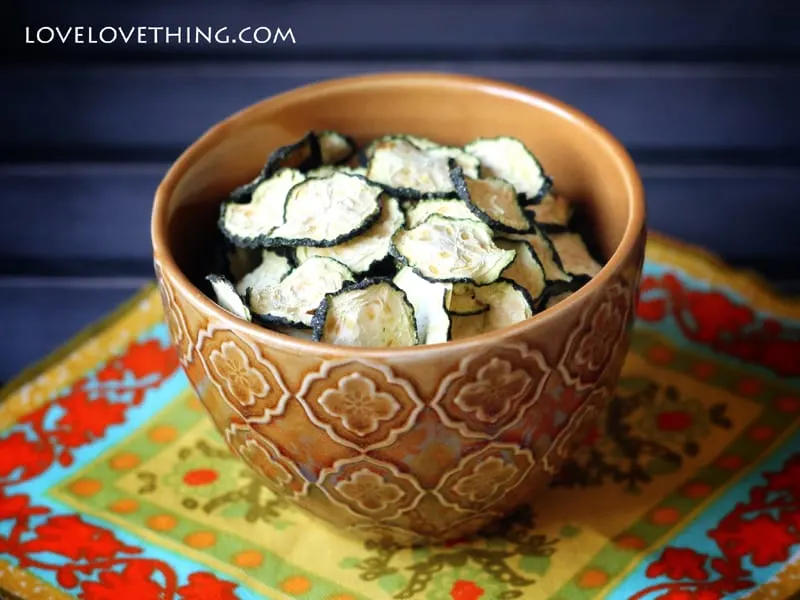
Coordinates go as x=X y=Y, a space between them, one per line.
x=403 y=242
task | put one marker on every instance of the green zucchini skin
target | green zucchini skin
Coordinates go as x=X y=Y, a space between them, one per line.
x=244 y=193
x=267 y=241
x=547 y=183
x=321 y=314
x=462 y=192
x=403 y=261
x=537 y=199
x=303 y=155
x=350 y=142
x=556 y=288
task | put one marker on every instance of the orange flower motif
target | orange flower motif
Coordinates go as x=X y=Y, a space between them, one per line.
x=232 y=368
x=358 y=404
x=485 y=480
x=369 y=491
x=496 y=389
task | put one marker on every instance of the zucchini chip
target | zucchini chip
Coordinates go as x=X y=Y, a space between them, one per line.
x=462 y=300
x=243 y=193
x=367 y=249
x=293 y=300
x=409 y=172
x=575 y=257
x=526 y=270
x=419 y=211
x=302 y=155
x=509 y=159
x=466 y=326
x=422 y=143
x=553 y=211
x=327 y=211
x=493 y=200
x=227 y=297
x=469 y=164
x=328 y=170
x=249 y=224
x=557 y=291
x=335 y=148
x=545 y=251
x=428 y=299
x=271 y=270
x=508 y=302
x=239 y=261
x=451 y=250
x=372 y=313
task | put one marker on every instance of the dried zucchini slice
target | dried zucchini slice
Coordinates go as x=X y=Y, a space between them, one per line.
x=508 y=302
x=509 y=159
x=451 y=250
x=422 y=142
x=462 y=300
x=468 y=163
x=493 y=200
x=243 y=193
x=419 y=211
x=227 y=297
x=239 y=261
x=409 y=172
x=271 y=270
x=293 y=300
x=249 y=224
x=302 y=155
x=545 y=251
x=367 y=249
x=557 y=291
x=328 y=170
x=553 y=211
x=327 y=211
x=428 y=299
x=526 y=270
x=574 y=255
x=372 y=313
x=335 y=148
x=467 y=326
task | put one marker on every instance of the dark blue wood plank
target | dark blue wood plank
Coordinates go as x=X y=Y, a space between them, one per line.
x=81 y=218
x=469 y=27
x=41 y=315
x=151 y=108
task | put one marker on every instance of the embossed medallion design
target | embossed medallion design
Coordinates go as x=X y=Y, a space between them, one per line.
x=173 y=314
x=359 y=405
x=362 y=405
x=482 y=479
x=585 y=416
x=367 y=490
x=591 y=345
x=249 y=383
x=489 y=391
x=279 y=473
x=367 y=487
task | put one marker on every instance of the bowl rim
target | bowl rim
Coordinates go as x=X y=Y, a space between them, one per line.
x=634 y=228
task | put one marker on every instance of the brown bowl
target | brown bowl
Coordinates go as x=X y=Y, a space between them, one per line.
x=420 y=444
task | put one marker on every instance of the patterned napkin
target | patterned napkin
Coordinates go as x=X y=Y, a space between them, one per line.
x=114 y=484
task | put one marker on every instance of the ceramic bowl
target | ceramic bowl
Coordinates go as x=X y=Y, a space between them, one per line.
x=421 y=444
